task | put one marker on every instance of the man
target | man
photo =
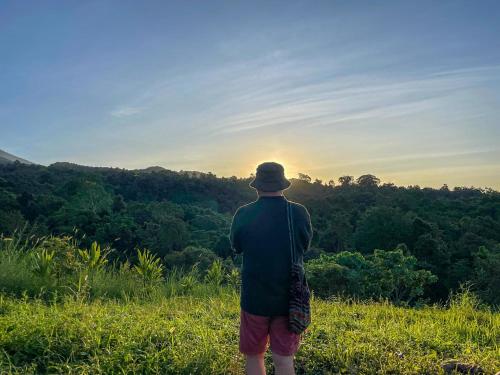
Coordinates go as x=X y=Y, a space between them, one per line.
x=260 y=231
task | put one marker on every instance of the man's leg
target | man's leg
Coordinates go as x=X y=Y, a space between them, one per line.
x=284 y=344
x=283 y=364
x=253 y=341
x=254 y=364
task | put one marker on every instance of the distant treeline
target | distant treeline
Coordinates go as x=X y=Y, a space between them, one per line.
x=184 y=218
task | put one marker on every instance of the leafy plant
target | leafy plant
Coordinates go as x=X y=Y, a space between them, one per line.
x=188 y=282
x=43 y=263
x=234 y=278
x=215 y=274
x=149 y=267
x=66 y=254
x=93 y=259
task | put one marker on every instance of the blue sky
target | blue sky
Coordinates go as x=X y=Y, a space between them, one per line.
x=408 y=91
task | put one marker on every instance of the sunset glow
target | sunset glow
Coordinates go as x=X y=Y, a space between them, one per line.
x=330 y=89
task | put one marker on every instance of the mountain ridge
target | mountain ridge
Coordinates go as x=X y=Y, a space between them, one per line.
x=5 y=158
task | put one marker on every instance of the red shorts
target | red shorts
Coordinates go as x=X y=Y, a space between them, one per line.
x=255 y=331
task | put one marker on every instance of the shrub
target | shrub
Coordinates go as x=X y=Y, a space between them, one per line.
x=326 y=277
x=93 y=259
x=149 y=268
x=234 y=278
x=189 y=257
x=43 y=262
x=215 y=274
x=66 y=254
x=385 y=274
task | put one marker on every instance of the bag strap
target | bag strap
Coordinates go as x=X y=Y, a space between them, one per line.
x=291 y=233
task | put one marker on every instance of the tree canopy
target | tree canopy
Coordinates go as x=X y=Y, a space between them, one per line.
x=452 y=233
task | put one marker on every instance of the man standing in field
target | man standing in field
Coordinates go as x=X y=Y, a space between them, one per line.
x=260 y=231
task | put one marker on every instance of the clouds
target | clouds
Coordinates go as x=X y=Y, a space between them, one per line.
x=327 y=88
x=125 y=111
x=347 y=98
x=382 y=121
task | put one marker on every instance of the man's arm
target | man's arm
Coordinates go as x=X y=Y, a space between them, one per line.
x=305 y=229
x=234 y=234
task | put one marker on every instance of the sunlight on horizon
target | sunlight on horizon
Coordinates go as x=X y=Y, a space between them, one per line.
x=409 y=92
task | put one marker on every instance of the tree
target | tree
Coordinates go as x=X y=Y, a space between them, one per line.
x=399 y=280
x=486 y=275
x=121 y=232
x=118 y=204
x=346 y=180
x=91 y=196
x=28 y=206
x=10 y=217
x=337 y=235
x=167 y=211
x=171 y=234
x=432 y=253
x=223 y=247
x=304 y=177
x=368 y=180
x=385 y=274
x=326 y=277
x=382 y=228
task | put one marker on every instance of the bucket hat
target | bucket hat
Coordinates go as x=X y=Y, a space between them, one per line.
x=270 y=176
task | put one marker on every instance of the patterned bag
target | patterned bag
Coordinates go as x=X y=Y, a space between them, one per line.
x=299 y=309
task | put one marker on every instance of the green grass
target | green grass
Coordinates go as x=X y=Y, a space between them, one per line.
x=199 y=335
x=74 y=318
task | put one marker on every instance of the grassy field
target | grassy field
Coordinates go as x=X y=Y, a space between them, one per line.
x=67 y=310
x=199 y=335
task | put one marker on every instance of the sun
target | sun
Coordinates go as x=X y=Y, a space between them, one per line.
x=280 y=160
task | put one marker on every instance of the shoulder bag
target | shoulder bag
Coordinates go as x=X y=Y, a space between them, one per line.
x=299 y=308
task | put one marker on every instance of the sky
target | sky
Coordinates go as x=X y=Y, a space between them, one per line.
x=406 y=90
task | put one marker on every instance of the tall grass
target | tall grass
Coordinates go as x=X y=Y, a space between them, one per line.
x=199 y=335
x=69 y=310
x=57 y=266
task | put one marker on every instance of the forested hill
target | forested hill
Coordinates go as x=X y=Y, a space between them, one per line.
x=454 y=234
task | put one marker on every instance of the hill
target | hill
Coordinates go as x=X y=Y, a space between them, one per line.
x=441 y=237
x=5 y=157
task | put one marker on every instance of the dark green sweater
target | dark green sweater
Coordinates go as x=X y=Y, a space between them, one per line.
x=260 y=231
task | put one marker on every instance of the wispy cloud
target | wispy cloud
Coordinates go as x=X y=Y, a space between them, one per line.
x=278 y=91
x=346 y=98
x=125 y=111
x=412 y=161
x=283 y=91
